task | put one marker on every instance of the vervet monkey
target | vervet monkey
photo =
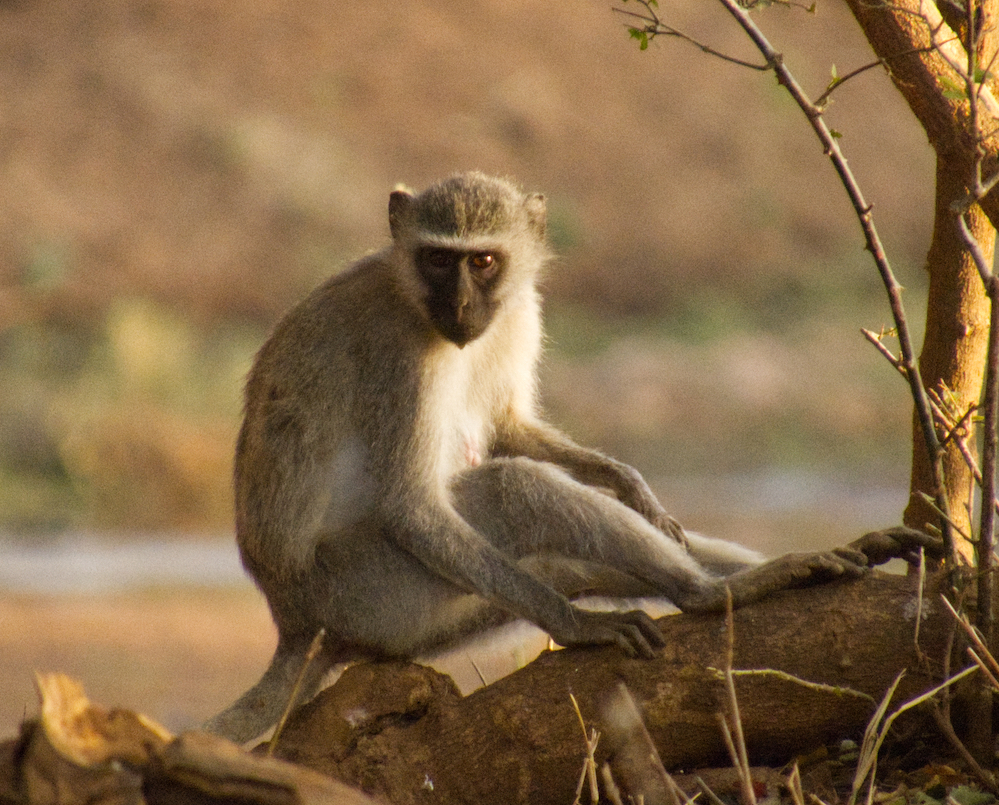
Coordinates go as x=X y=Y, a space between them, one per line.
x=396 y=486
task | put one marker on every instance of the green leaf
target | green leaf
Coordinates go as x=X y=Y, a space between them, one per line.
x=981 y=76
x=834 y=74
x=641 y=36
x=835 y=134
x=951 y=89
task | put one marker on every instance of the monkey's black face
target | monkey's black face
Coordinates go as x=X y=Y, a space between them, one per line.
x=461 y=285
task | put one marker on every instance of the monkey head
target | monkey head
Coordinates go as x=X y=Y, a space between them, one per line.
x=457 y=245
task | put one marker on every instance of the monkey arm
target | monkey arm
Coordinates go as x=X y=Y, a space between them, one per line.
x=543 y=442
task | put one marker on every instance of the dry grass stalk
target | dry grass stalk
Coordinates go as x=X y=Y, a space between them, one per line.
x=478 y=671
x=976 y=639
x=919 y=601
x=735 y=740
x=876 y=732
x=611 y=791
x=589 y=771
x=710 y=795
x=794 y=785
x=314 y=648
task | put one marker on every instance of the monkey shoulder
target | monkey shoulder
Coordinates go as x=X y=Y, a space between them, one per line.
x=351 y=320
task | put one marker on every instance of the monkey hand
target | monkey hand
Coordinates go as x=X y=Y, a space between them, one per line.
x=671 y=528
x=635 y=633
x=635 y=493
x=897 y=543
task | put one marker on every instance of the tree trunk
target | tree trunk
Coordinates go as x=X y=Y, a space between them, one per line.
x=952 y=362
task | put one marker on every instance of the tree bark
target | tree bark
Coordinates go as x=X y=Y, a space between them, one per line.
x=952 y=362
x=403 y=732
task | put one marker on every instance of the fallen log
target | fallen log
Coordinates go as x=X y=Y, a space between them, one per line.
x=823 y=657
x=78 y=753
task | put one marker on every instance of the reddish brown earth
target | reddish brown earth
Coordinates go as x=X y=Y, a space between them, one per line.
x=171 y=654
x=175 y=654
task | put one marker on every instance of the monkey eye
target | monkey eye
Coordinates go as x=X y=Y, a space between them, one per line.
x=483 y=262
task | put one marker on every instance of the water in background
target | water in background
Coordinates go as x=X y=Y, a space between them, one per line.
x=773 y=513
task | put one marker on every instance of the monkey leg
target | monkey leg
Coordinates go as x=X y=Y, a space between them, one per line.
x=797 y=570
x=262 y=705
x=530 y=508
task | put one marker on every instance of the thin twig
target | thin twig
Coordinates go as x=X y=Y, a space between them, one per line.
x=931 y=502
x=973 y=635
x=953 y=429
x=875 y=339
x=654 y=26
x=311 y=654
x=986 y=544
x=984 y=668
x=874 y=245
x=947 y=728
x=740 y=757
x=981 y=726
x=839 y=81
x=797 y=680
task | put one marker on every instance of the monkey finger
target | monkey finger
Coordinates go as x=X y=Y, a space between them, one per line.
x=899 y=542
x=831 y=565
x=638 y=644
x=852 y=556
x=648 y=627
x=633 y=632
x=673 y=528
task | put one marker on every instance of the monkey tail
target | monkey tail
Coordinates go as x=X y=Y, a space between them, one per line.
x=262 y=705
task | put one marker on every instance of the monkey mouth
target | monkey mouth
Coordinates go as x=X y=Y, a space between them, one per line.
x=460 y=335
x=459 y=332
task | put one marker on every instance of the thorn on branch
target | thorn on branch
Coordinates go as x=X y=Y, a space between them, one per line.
x=875 y=339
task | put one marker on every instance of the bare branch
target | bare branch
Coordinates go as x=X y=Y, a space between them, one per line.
x=883 y=62
x=874 y=245
x=653 y=27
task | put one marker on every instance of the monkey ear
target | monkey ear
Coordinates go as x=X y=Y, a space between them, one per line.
x=537 y=213
x=399 y=203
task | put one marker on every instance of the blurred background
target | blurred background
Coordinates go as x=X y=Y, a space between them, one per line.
x=176 y=173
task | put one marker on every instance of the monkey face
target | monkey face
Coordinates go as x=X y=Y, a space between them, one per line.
x=460 y=289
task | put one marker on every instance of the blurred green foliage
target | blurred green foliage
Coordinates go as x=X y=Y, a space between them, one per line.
x=127 y=422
